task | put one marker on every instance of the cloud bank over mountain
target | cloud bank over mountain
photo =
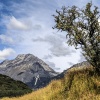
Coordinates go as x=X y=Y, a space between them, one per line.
x=26 y=27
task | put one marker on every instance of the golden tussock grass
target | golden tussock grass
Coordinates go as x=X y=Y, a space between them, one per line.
x=78 y=84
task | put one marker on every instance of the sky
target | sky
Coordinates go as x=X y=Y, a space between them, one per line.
x=26 y=27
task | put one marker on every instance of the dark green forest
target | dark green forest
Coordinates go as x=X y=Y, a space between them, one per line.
x=10 y=87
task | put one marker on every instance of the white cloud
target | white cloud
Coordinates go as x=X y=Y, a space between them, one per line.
x=6 y=39
x=57 y=42
x=6 y=53
x=47 y=57
x=16 y=24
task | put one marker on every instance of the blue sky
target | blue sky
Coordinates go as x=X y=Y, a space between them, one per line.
x=26 y=27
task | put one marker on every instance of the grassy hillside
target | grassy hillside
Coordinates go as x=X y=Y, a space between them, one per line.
x=10 y=87
x=78 y=84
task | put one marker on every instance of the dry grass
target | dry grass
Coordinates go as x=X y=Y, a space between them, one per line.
x=78 y=84
x=43 y=94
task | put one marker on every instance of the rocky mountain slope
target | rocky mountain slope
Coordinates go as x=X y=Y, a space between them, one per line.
x=28 y=69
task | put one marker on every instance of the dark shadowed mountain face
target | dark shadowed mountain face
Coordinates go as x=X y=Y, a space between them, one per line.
x=28 y=69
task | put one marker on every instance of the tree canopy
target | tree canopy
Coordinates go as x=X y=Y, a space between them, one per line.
x=83 y=30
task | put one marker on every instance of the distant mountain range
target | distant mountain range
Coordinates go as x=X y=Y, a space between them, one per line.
x=29 y=69
x=32 y=71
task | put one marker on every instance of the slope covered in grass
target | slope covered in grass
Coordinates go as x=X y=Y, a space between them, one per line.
x=77 y=84
x=10 y=87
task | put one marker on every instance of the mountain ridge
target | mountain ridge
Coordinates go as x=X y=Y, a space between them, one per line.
x=77 y=66
x=26 y=68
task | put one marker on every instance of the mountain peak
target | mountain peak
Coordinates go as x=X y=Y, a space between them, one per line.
x=25 y=67
x=22 y=56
